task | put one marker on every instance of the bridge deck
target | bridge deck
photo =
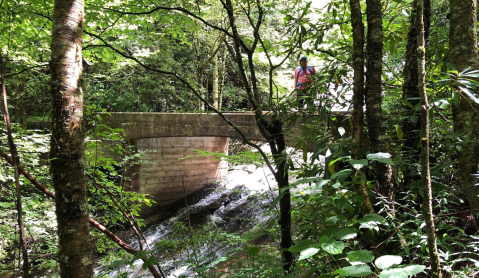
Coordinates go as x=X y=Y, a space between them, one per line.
x=155 y=125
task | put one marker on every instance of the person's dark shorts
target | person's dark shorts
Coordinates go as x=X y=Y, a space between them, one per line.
x=304 y=96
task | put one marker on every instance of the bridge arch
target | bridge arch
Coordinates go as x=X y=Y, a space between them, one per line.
x=175 y=135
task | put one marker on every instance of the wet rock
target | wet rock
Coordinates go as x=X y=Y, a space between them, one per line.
x=232 y=196
x=173 y=208
x=199 y=217
x=216 y=204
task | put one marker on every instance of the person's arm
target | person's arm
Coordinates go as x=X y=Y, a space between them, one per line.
x=313 y=71
x=295 y=78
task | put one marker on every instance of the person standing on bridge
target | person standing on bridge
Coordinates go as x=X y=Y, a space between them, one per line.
x=302 y=79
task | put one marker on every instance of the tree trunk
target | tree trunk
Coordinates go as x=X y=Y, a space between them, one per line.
x=282 y=177
x=375 y=119
x=358 y=99
x=425 y=171
x=67 y=144
x=200 y=70
x=91 y=221
x=222 y=77
x=463 y=54
x=16 y=162
x=272 y=130
x=410 y=128
x=214 y=76
x=201 y=105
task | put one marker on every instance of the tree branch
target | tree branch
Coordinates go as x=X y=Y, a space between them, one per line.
x=92 y=221
x=195 y=92
x=24 y=70
x=158 y=8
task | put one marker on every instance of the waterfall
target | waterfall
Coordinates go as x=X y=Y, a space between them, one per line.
x=234 y=208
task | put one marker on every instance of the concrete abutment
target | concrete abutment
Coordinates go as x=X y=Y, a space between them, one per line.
x=170 y=169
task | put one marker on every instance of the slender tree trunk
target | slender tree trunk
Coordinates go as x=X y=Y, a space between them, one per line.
x=222 y=77
x=272 y=131
x=201 y=105
x=425 y=171
x=358 y=99
x=67 y=144
x=282 y=177
x=91 y=221
x=375 y=118
x=463 y=54
x=410 y=128
x=214 y=74
x=200 y=69
x=16 y=162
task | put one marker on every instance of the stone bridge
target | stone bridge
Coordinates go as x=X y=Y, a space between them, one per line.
x=154 y=125
x=173 y=136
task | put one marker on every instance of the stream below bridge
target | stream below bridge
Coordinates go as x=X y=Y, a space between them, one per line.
x=239 y=204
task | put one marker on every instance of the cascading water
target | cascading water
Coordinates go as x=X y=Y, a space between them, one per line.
x=236 y=206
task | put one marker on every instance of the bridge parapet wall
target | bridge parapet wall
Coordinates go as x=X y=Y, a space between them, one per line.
x=154 y=125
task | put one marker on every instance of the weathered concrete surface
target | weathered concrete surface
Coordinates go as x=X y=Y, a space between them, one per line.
x=174 y=136
x=168 y=175
x=154 y=125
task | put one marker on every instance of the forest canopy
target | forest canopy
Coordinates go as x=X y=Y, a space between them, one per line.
x=387 y=100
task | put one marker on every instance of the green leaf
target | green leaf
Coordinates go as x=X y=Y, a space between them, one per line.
x=399 y=131
x=404 y=30
x=452 y=67
x=308 y=253
x=220 y=259
x=307 y=180
x=407 y=103
x=337 y=159
x=472 y=74
x=253 y=251
x=334 y=219
x=342 y=203
x=336 y=185
x=470 y=94
x=363 y=256
x=358 y=164
x=392 y=46
x=320 y=183
x=333 y=247
x=381 y=157
x=371 y=221
x=387 y=261
x=303 y=31
x=341 y=175
x=345 y=234
x=372 y=217
x=301 y=245
x=276 y=200
x=414 y=118
x=354 y=271
x=324 y=239
x=149 y=261
x=455 y=98
x=403 y=272
x=288 y=18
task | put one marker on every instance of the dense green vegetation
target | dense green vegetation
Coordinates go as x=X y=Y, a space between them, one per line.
x=395 y=201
